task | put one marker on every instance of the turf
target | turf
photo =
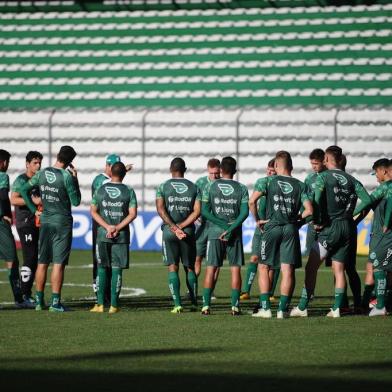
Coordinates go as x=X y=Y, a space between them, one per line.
x=145 y=347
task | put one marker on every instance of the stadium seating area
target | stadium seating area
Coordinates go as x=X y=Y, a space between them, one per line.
x=150 y=82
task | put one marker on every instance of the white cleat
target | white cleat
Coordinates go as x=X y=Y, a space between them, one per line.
x=378 y=312
x=282 y=315
x=297 y=312
x=263 y=313
x=334 y=313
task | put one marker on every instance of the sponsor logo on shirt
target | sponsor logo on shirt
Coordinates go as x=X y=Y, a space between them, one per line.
x=113 y=192
x=285 y=187
x=179 y=187
x=341 y=179
x=226 y=189
x=50 y=177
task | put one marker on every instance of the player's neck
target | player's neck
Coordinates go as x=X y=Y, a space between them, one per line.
x=59 y=165
x=29 y=173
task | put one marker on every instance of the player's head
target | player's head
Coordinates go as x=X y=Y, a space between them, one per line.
x=33 y=161
x=110 y=160
x=283 y=162
x=118 y=170
x=177 y=167
x=381 y=169
x=316 y=158
x=343 y=162
x=66 y=155
x=213 y=168
x=333 y=155
x=4 y=160
x=228 y=166
x=270 y=170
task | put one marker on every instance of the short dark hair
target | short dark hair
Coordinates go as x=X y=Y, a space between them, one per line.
x=382 y=162
x=4 y=155
x=286 y=158
x=336 y=152
x=33 y=155
x=318 y=154
x=390 y=163
x=213 y=162
x=66 y=155
x=178 y=165
x=229 y=165
x=118 y=169
x=271 y=163
x=343 y=162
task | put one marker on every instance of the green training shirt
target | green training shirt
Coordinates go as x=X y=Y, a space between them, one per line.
x=179 y=196
x=98 y=181
x=113 y=201
x=337 y=192
x=285 y=197
x=224 y=198
x=5 y=205
x=59 y=190
x=201 y=183
x=261 y=205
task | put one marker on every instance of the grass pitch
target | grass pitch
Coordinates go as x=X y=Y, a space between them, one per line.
x=145 y=347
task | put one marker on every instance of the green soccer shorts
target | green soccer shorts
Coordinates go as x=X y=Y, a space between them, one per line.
x=256 y=242
x=336 y=239
x=7 y=243
x=201 y=240
x=55 y=241
x=110 y=254
x=174 y=250
x=311 y=238
x=280 y=244
x=380 y=251
x=218 y=250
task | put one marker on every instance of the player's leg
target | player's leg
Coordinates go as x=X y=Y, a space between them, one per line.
x=102 y=257
x=235 y=256
x=40 y=281
x=369 y=286
x=274 y=274
x=252 y=266
x=286 y=289
x=380 y=278
x=188 y=257
x=338 y=269
x=94 y=253
x=119 y=261
x=264 y=310
x=56 y=280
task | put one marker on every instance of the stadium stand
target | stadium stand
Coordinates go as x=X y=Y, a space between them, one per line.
x=149 y=81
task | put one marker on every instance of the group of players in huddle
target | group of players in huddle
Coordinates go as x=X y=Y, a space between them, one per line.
x=204 y=220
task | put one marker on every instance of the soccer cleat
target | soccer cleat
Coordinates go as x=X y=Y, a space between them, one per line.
x=113 y=309
x=334 y=313
x=297 y=312
x=26 y=304
x=57 y=309
x=205 y=311
x=177 y=309
x=263 y=313
x=97 y=309
x=378 y=312
x=282 y=315
x=39 y=307
x=235 y=311
x=373 y=303
x=244 y=296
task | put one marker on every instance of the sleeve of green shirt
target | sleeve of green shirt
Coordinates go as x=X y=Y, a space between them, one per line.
x=244 y=210
x=25 y=190
x=5 y=205
x=159 y=193
x=72 y=187
x=133 y=199
x=17 y=185
x=262 y=210
x=366 y=199
x=388 y=211
x=94 y=200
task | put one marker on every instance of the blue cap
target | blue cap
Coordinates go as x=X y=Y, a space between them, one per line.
x=112 y=159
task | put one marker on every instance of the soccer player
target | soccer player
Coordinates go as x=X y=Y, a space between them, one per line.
x=280 y=245
x=225 y=206
x=380 y=254
x=7 y=241
x=26 y=224
x=336 y=194
x=178 y=204
x=258 y=211
x=59 y=190
x=114 y=207
x=98 y=181
x=316 y=158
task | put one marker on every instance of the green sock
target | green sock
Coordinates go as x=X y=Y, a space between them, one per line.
x=339 y=295
x=367 y=294
x=13 y=277
x=101 y=285
x=115 y=286
x=284 y=303
x=55 y=300
x=174 y=286
x=275 y=281
x=250 y=277
x=380 y=278
x=39 y=297
x=235 y=297
x=207 y=296
x=265 y=301
x=192 y=286
x=304 y=300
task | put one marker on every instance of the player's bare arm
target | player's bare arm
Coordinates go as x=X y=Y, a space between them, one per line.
x=308 y=209
x=253 y=204
x=94 y=213
x=193 y=216
x=132 y=214
x=161 y=209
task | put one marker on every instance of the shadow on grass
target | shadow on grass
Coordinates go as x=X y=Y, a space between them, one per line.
x=65 y=380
